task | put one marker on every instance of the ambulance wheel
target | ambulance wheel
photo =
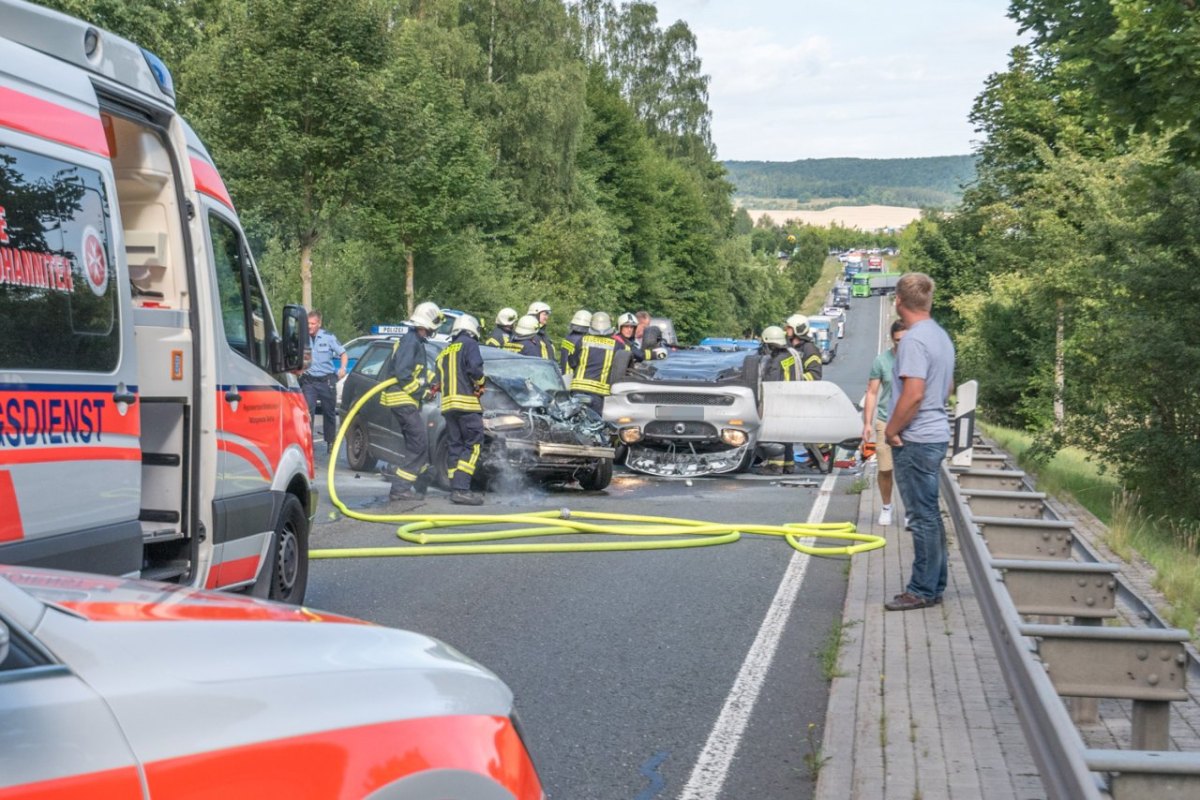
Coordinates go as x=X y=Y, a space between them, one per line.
x=598 y=478
x=289 y=554
x=358 y=452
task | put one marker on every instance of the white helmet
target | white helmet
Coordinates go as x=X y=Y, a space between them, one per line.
x=506 y=317
x=582 y=318
x=537 y=307
x=798 y=323
x=626 y=319
x=465 y=322
x=602 y=324
x=526 y=326
x=427 y=316
x=774 y=335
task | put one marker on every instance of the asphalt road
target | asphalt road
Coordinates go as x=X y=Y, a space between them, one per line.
x=623 y=664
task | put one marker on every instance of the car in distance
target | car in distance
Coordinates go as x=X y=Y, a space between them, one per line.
x=111 y=687
x=532 y=425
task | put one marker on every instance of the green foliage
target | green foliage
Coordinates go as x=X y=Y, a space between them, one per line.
x=922 y=182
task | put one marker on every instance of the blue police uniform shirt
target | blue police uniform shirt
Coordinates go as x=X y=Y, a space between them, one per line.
x=325 y=348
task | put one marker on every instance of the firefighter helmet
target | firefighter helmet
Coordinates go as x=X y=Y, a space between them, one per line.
x=774 y=336
x=602 y=324
x=582 y=319
x=626 y=319
x=537 y=307
x=506 y=317
x=526 y=326
x=465 y=323
x=427 y=316
x=798 y=323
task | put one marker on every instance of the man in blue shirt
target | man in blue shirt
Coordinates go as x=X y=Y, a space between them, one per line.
x=918 y=429
x=318 y=380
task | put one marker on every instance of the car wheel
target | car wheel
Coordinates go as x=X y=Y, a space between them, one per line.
x=441 y=459
x=599 y=477
x=289 y=563
x=358 y=450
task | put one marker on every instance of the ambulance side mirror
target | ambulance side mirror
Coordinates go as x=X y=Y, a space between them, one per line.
x=289 y=356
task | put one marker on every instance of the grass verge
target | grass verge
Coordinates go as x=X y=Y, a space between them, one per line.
x=814 y=301
x=1171 y=547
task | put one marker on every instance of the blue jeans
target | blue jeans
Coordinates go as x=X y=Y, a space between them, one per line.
x=917 y=469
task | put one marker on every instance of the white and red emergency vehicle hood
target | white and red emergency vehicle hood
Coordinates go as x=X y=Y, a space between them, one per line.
x=192 y=675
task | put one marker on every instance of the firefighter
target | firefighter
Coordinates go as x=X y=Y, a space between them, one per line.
x=593 y=371
x=782 y=364
x=526 y=341
x=460 y=374
x=796 y=328
x=627 y=335
x=413 y=385
x=569 y=347
x=502 y=333
x=541 y=312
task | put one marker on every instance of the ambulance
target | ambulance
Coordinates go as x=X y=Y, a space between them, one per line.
x=150 y=422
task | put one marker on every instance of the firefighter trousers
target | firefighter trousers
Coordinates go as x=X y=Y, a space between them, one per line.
x=411 y=425
x=464 y=438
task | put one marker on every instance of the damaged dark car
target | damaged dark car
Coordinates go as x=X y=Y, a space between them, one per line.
x=533 y=426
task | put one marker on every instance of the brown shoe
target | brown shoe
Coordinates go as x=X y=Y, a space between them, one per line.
x=908 y=602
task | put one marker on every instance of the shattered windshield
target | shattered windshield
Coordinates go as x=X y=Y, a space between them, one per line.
x=530 y=382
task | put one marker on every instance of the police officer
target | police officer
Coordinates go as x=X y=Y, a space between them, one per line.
x=526 y=340
x=593 y=372
x=318 y=380
x=460 y=374
x=782 y=364
x=627 y=335
x=796 y=329
x=502 y=333
x=414 y=384
x=568 y=348
x=541 y=312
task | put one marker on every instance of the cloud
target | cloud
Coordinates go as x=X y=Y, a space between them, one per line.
x=747 y=62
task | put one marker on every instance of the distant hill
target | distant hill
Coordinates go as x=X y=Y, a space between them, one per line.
x=934 y=182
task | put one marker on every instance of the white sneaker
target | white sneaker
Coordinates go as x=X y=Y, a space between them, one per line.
x=885 y=516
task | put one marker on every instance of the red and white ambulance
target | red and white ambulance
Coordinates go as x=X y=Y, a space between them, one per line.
x=149 y=425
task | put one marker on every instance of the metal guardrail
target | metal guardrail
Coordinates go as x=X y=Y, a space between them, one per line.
x=1157 y=665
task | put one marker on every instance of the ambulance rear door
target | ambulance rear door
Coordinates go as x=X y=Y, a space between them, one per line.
x=70 y=450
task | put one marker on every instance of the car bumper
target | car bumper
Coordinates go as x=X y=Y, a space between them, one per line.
x=678 y=464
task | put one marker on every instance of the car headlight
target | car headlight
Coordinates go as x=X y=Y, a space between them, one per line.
x=503 y=422
x=733 y=437
x=631 y=435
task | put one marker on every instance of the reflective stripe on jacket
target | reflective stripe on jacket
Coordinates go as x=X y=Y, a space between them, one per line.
x=595 y=365
x=410 y=370
x=460 y=372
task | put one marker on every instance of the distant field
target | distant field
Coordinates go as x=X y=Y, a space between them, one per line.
x=865 y=218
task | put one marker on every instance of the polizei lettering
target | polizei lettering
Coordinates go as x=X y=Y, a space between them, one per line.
x=51 y=420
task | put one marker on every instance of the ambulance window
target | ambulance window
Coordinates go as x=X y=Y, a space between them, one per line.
x=243 y=309
x=58 y=286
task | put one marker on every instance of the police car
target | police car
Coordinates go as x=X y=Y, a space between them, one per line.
x=125 y=688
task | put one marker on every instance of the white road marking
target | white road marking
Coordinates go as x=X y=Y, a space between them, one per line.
x=712 y=766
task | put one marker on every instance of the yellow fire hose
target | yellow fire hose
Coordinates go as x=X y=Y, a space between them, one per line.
x=681 y=533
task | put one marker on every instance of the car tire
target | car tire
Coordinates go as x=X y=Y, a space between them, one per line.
x=358 y=449
x=440 y=465
x=751 y=375
x=598 y=478
x=289 y=554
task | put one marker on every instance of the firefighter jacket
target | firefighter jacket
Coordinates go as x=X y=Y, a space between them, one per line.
x=568 y=350
x=499 y=337
x=632 y=346
x=410 y=369
x=810 y=359
x=460 y=372
x=593 y=372
x=533 y=346
x=783 y=364
x=544 y=337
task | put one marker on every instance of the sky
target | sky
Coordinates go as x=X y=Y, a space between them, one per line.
x=793 y=79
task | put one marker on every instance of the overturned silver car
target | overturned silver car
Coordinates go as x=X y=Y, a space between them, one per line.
x=693 y=413
x=705 y=413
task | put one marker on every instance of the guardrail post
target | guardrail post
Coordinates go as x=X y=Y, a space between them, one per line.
x=1151 y=725
x=1086 y=710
